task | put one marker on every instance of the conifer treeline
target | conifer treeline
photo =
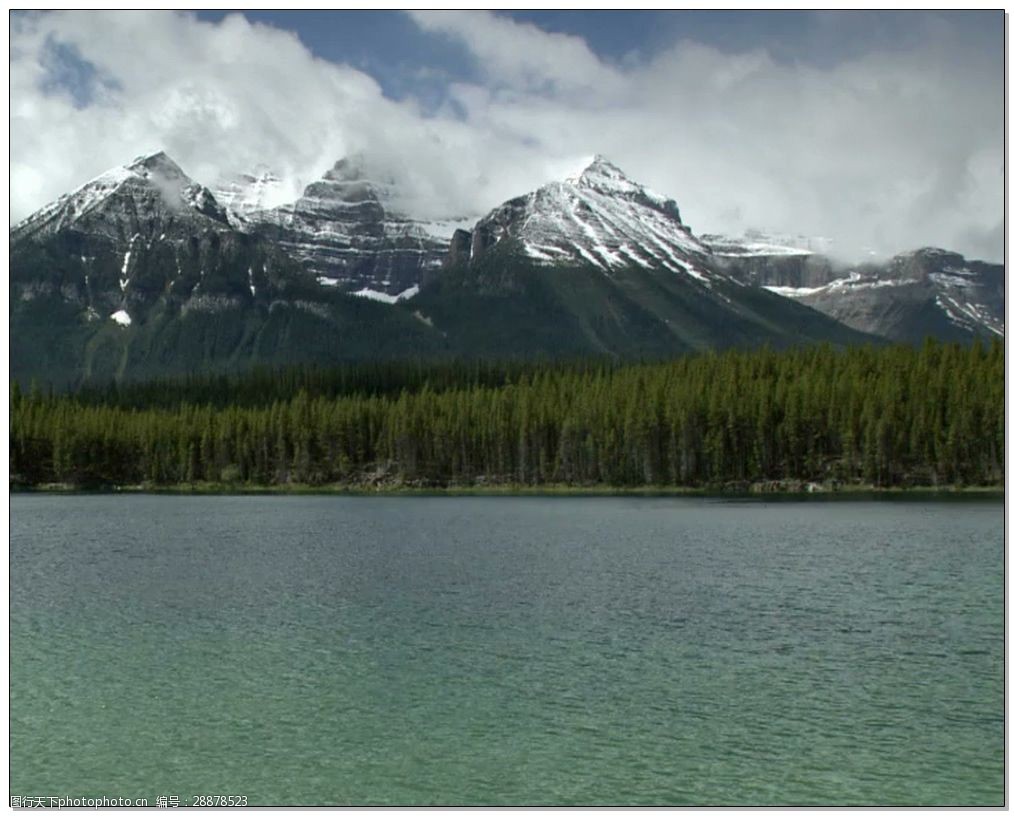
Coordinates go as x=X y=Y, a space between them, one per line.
x=265 y=385
x=891 y=416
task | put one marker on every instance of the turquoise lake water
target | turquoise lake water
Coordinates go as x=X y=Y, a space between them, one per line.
x=493 y=650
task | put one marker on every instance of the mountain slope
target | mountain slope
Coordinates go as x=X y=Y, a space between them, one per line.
x=915 y=294
x=596 y=217
x=129 y=199
x=346 y=229
x=139 y=272
x=600 y=264
x=758 y=259
x=143 y=272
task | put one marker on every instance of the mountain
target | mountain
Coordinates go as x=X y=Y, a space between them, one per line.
x=754 y=243
x=347 y=229
x=597 y=263
x=143 y=271
x=905 y=298
x=140 y=272
x=247 y=193
x=758 y=259
x=597 y=217
x=152 y=188
x=925 y=292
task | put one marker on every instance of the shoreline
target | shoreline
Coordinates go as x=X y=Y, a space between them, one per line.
x=761 y=491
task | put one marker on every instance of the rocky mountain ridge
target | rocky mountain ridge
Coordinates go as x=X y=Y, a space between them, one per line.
x=926 y=291
x=144 y=267
x=346 y=229
x=151 y=188
x=597 y=217
x=142 y=271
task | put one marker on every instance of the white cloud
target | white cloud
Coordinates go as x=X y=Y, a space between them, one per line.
x=886 y=151
x=889 y=150
x=214 y=97
x=222 y=99
x=522 y=56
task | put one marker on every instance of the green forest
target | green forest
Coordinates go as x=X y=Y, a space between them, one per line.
x=880 y=417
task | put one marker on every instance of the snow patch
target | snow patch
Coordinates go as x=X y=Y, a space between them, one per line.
x=951 y=278
x=794 y=291
x=384 y=297
x=695 y=273
x=756 y=250
x=855 y=281
x=126 y=263
x=120 y=316
x=968 y=315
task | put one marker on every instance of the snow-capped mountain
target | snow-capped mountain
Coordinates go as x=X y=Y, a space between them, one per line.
x=927 y=291
x=128 y=200
x=145 y=271
x=119 y=240
x=904 y=298
x=247 y=193
x=346 y=228
x=598 y=263
x=139 y=271
x=597 y=216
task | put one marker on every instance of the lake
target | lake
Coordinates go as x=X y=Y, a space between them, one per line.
x=324 y=650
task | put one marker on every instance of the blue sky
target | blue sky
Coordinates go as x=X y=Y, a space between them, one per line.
x=392 y=49
x=879 y=130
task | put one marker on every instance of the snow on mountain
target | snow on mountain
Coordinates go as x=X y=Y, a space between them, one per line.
x=597 y=216
x=894 y=299
x=383 y=297
x=247 y=193
x=348 y=228
x=854 y=282
x=150 y=186
x=132 y=230
x=140 y=238
x=754 y=243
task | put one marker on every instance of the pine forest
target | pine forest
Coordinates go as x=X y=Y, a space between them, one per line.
x=877 y=417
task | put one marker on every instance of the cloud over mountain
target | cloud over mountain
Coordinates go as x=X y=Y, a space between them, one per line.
x=887 y=149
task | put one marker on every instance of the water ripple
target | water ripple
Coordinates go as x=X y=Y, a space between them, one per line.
x=469 y=651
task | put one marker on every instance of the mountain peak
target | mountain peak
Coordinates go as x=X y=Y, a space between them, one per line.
x=159 y=164
x=149 y=177
x=596 y=174
x=599 y=217
x=590 y=166
x=146 y=159
x=601 y=175
x=175 y=187
x=600 y=164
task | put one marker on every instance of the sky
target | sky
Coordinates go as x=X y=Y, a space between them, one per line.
x=880 y=131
